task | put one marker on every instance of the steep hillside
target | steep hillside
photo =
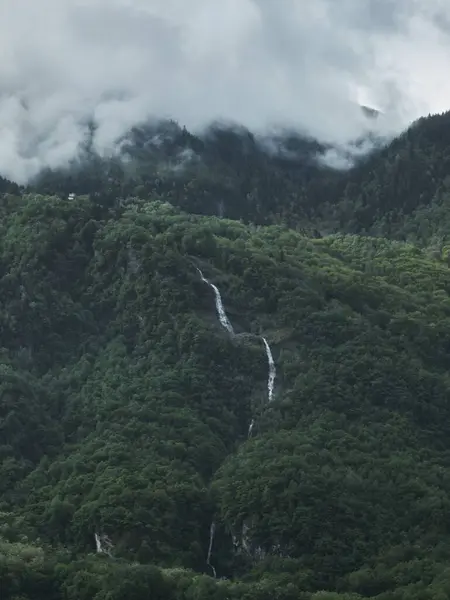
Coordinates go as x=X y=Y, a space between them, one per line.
x=401 y=191
x=137 y=422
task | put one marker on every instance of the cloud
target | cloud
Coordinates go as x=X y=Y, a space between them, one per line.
x=260 y=63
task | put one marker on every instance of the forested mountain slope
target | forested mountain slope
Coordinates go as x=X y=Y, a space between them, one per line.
x=399 y=191
x=132 y=418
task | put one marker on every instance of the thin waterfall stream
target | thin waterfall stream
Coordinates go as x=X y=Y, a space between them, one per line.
x=212 y=531
x=103 y=544
x=225 y=322
x=272 y=370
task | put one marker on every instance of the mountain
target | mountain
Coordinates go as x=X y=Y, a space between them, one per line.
x=397 y=191
x=371 y=113
x=225 y=372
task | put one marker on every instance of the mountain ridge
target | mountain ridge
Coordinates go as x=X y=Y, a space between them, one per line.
x=126 y=404
x=280 y=179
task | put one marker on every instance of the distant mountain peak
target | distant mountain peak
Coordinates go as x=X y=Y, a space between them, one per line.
x=370 y=112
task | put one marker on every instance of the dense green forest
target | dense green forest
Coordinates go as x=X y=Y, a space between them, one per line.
x=142 y=452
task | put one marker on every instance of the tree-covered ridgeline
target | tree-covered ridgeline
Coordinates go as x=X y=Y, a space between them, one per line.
x=125 y=406
x=399 y=191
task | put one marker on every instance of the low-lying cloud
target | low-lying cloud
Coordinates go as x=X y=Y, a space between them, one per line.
x=260 y=63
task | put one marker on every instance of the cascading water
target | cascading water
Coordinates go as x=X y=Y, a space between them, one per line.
x=272 y=370
x=103 y=544
x=245 y=541
x=224 y=321
x=212 y=531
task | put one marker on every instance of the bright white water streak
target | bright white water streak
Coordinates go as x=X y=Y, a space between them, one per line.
x=224 y=321
x=272 y=370
x=212 y=531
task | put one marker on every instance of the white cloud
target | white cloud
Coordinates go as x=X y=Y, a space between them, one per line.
x=256 y=62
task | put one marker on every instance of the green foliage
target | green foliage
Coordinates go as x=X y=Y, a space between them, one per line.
x=400 y=191
x=125 y=406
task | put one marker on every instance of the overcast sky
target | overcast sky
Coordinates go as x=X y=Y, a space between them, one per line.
x=257 y=62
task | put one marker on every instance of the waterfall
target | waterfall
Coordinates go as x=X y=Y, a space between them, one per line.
x=103 y=544
x=272 y=370
x=219 y=305
x=245 y=541
x=212 y=531
x=224 y=321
